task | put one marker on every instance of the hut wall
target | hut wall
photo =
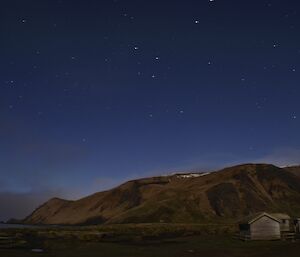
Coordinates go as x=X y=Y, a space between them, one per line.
x=285 y=225
x=265 y=229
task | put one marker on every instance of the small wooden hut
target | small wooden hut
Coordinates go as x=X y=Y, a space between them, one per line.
x=261 y=226
x=285 y=222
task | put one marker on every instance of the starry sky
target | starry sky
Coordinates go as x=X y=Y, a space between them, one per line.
x=93 y=93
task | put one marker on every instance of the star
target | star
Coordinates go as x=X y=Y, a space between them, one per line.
x=196 y=21
x=153 y=76
x=294 y=117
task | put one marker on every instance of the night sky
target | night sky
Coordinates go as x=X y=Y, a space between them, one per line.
x=93 y=93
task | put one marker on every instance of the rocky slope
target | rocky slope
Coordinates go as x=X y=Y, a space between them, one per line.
x=219 y=196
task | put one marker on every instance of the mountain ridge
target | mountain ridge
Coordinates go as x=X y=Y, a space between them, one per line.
x=223 y=195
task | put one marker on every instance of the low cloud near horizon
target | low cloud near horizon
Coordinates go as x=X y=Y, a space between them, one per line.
x=282 y=157
x=20 y=205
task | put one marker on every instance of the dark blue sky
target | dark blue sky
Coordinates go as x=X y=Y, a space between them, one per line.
x=93 y=93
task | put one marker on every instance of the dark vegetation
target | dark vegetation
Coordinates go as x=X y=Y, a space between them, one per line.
x=223 y=198
x=159 y=240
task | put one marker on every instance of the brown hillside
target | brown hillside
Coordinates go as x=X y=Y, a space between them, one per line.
x=295 y=170
x=222 y=196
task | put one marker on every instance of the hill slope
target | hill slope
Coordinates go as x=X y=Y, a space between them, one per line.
x=224 y=195
x=294 y=169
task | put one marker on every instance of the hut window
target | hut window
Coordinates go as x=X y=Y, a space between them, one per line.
x=283 y=221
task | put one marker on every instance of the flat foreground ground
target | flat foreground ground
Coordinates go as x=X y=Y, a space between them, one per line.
x=209 y=246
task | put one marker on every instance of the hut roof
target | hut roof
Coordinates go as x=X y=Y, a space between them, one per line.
x=254 y=217
x=281 y=216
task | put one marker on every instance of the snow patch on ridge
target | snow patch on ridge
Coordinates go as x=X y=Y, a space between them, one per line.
x=191 y=175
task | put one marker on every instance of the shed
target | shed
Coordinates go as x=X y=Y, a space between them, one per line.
x=285 y=221
x=297 y=225
x=260 y=226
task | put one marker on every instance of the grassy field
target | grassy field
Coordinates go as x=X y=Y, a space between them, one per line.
x=143 y=241
x=189 y=246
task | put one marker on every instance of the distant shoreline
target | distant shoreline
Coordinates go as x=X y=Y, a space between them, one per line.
x=5 y=226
